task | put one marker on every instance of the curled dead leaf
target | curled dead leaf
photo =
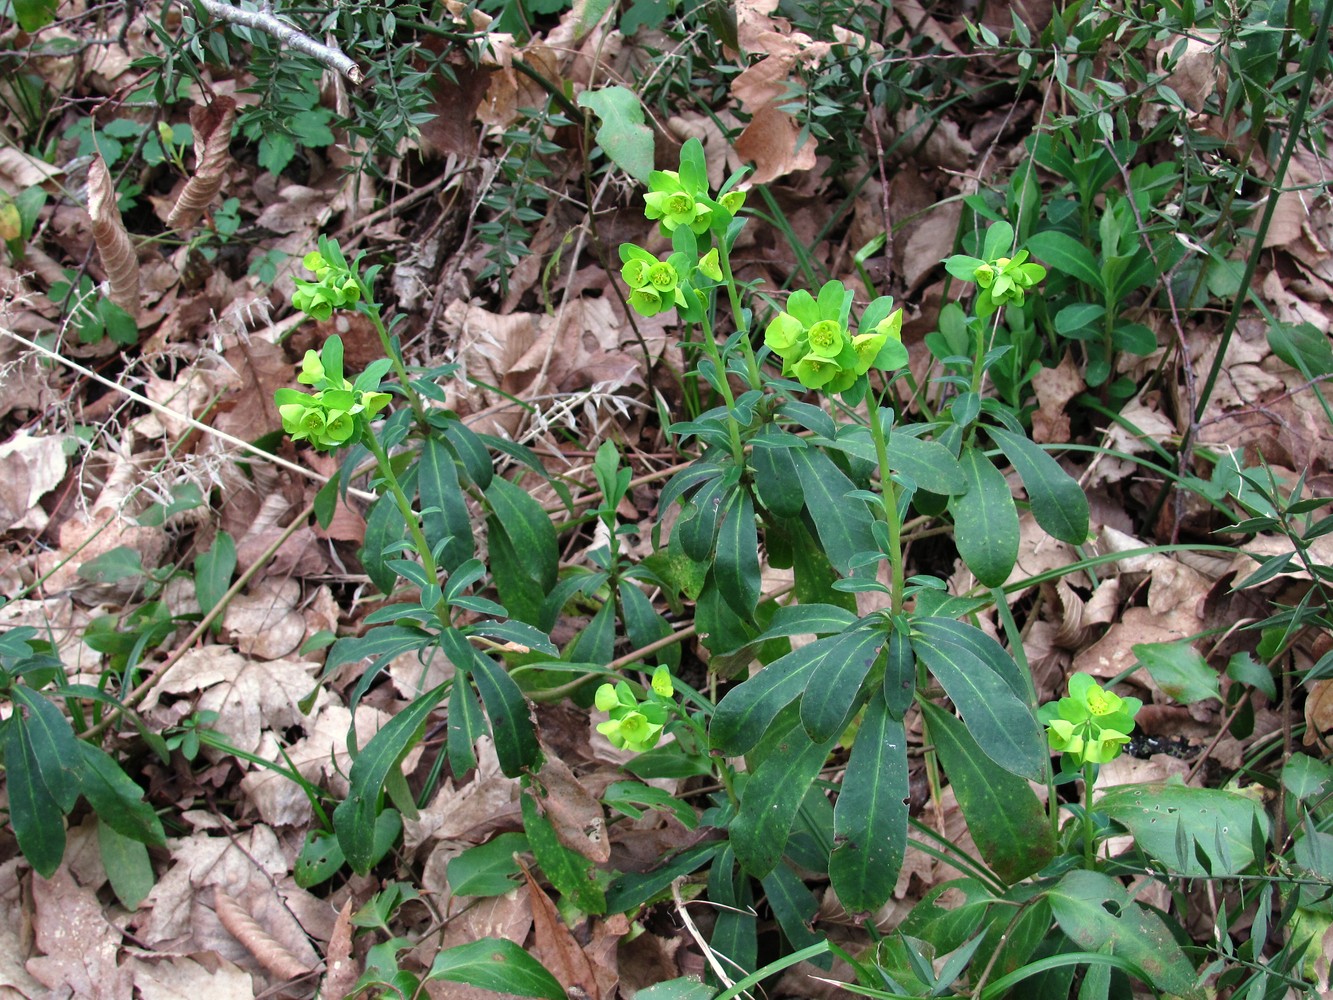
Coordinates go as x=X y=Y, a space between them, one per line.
x=212 y=133
x=266 y=949
x=119 y=259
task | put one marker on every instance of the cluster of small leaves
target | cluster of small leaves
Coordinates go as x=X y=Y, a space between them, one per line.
x=817 y=348
x=1002 y=279
x=1091 y=725
x=338 y=410
x=633 y=724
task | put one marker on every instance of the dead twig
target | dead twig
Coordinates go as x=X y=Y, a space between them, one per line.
x=264 y=20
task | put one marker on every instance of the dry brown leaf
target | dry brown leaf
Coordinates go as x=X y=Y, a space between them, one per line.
x=1055 y=387
x=201 y=977
x=212 y=141
x=508 y=916
x=267 y=951
x=119 y=259
x=574 y=812
x=455 y=812
x=930 y=241
x=19 y=170
x=265 y=622
x=15 y=931
x=1318 y=712
x=556 y=947
x=78 y=944
x=343 y=969
x=30 y=467
x=770 y=142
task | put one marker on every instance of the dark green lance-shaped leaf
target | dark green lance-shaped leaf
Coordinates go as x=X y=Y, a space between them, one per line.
x=498 y=965
x=528 y=528
x=54 y=743
x=1214 y=821
x=212 y=574
x=128 y=868
x=790 y=761
x=720 y=629
x=737 y=561
x=571 y=873
x=1007 y=821
x=1095 y=911
x=354 y=819
x=488 y=869
x=1058 y=501
x=974 y=642
x=1062 y=252
x=899 y=673
x=634 y=889
x=522 y=596
x=702 y=517
x=843 y=526
x=597 y=640
x=384 y=528
x=466 y=726
x=745 y=712
x=515 y=741
x=34 y=814
x=985 y=520
x=643 y=623
x=1000 y=723
x=775 y=478
x=387 y=641
x=1302 y=346
x=834 y=688
x=870 y=819
x=735 y=929
x=471 y=452
x=793 y=907
x=622 y=133
x=116 y=799
x=930 y=465
x=1179 y=669
x=444 y=509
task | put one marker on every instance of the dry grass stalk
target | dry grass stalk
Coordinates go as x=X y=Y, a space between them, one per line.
x=212 y=143
x=119 y=259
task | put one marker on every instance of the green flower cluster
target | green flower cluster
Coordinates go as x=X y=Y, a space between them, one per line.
x=635 y=725
x=680 y=197
x=1092 y=725
x=334 y=287
x=818 y=349
x=1001 y=279
x=336 y=412
x=658 y=285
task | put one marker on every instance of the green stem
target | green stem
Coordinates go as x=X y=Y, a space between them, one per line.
x=888 y=504
x=737 y=315
x=733 y=428
x=372 y=310
x=1089 y=848
x=409 y=515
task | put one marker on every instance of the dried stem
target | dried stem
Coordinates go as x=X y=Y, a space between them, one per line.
x=265 y=21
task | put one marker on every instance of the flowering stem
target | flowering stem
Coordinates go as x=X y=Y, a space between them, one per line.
x=888 y=503
x=409 y=515
x=1089 y=849
x=733 y=428
x=372 y=310
x=737 y=314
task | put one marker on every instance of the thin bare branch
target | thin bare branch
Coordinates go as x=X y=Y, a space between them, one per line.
x=264 y=20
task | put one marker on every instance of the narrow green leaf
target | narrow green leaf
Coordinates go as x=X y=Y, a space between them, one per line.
x=496 y=964
x=354 y=819
x=899 y=673
x=570 y=873
x=127 y=865
x=471 y=452
x=773 y=794
x=775 y=478
x=446 y=515
x=976 y=643
x=54 y=743
x=793 y=906
x=834 y=690
x=384 y=528
x=1179 y=669
x=386 y=641
x=116 y=799
x=634 y=889
x=1006 y=819
x=511 y=726
x=466 y=726
x=985 y=520
x=622 y=133
x=843 y=527
x=702 y=517
x=212 y=574
x=930 y=465
x=1001 y=724
x=1303 y=347
x=737 y=561
x=870 y=818
x=1095 y=910
x=528 y=528
x=34 y=814
x=643 y=624
x=1058 y=501
x=1062 y=252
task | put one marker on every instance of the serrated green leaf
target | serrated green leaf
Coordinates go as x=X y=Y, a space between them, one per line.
x=1001 y=724
x=1058 y=502
x=834 y=690
x=985 y=520
x=870 y=818
x=1006 y=819
x=622 y=132
x=354 y=819
x=516 y=745
x=496 y=964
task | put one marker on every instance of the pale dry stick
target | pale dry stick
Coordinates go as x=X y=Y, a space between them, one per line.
x=245 y=446
x=688 y=921
x=264 y=20
x=242 y=581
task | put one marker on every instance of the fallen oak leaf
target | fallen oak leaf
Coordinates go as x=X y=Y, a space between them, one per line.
x=266 y=949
